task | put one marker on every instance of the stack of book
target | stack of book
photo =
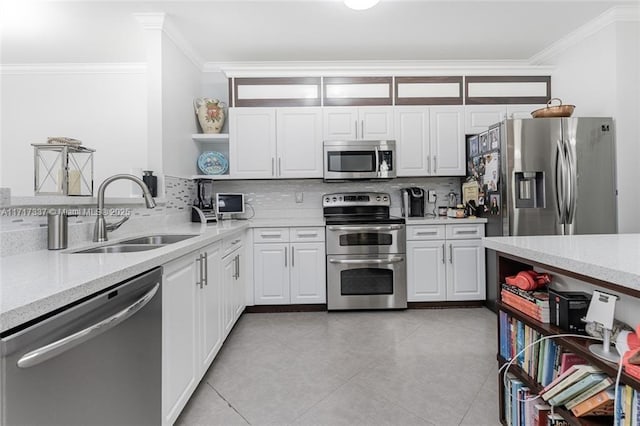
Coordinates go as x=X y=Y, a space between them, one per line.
x=531 y=303
x=577 y=385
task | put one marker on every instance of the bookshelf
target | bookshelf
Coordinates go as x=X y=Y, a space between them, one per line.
x=509 y=265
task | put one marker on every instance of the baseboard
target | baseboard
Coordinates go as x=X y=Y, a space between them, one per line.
x=261 y=309
x=446 y=305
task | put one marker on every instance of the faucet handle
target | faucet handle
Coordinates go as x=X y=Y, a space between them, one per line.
x=116 y=225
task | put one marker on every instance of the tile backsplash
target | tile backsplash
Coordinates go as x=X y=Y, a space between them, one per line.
x=277 y=198
x=24 y=229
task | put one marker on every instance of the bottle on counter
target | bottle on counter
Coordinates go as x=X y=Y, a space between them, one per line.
x=151 y=181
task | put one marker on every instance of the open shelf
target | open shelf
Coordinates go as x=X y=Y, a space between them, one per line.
x=535 y=387
x=213 y=177
x=210 y=137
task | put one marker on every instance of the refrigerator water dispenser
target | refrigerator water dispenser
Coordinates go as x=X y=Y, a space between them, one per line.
x=529 y=190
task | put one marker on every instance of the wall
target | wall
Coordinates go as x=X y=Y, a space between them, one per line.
x=180 y=86
x=276 y=198
x=105 y=109
x=601 y=76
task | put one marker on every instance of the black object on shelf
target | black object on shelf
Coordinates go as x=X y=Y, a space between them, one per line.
x=567 y=308
x=151 y=181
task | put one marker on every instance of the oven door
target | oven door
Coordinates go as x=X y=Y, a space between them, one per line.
x=366 y=239
x=366 y=282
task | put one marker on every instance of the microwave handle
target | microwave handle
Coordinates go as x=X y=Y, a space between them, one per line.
x=377 y=162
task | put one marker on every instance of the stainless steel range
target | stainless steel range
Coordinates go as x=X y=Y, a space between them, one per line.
x=366 y=263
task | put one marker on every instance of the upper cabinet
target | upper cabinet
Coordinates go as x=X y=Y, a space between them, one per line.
x=478 y=118
x=351 y=123
x=266 y=143
x=430 y=141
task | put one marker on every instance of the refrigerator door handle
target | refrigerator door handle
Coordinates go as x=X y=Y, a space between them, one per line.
x=572 y=184
x=560 y=181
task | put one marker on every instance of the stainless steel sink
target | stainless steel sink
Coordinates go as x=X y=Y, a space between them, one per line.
x=157 y=239
x=120 y=248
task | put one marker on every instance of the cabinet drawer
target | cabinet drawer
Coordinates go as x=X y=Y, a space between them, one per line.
x=271 y=235
x=465 y=231
x=310 y=233
x=425 y=232
x=231 y=243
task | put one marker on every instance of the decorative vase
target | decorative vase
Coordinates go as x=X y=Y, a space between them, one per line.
x=210 y=113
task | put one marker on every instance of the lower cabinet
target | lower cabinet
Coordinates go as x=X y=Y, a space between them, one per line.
x=203 y=296
x=445 y=263
x=289 y=265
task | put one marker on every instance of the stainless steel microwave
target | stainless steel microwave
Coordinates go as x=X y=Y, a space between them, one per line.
x=364 y=159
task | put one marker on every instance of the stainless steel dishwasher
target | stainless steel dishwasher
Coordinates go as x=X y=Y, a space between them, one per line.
x=95 y=363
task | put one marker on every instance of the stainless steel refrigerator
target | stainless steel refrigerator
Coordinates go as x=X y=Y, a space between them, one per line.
x=545 y=176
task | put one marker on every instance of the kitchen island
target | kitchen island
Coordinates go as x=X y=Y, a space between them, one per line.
x=609 y=263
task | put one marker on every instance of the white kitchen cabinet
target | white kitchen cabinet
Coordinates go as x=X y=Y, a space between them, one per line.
x=233 y=293
x=478 y=118
x=210 y=305
x=289 y=265
x=447 y=140
x=445 y=263
x=352 y=123
x=179 y=334
x=275 y=143
x=429 y=141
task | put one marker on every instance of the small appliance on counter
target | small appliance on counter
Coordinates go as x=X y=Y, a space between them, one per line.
x=413 y=202
x=204 y=202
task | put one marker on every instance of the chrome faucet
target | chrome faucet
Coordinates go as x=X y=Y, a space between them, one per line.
x=102 y=227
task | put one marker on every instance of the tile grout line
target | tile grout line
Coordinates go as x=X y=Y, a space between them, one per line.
x=318 y=402
x=489 y=376
x=228 y=403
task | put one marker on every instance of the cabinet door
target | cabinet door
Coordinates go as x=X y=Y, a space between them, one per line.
x=252 y=142
x=228 y=284
x=412 y=141
x=465 y=270
x=271 y=273
x=478 y=118
x=340 y=123
x=299 y=142
x=239 y=295
x=211 y=306
x=308 y=271
x=447 y=141
x=179 y=339
x=375 y=123
x=426 y=271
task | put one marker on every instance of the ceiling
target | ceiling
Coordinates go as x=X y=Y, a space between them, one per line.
x=223 y=31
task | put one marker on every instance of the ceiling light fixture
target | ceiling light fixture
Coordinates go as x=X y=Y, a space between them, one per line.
x=360 y=4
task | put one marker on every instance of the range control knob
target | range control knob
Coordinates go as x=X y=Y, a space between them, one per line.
x=385 y=198
x=378 y=198
x=334 y=199
x=327 y=199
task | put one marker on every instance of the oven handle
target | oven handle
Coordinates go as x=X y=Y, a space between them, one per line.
x=367 y=261
x=366 y=228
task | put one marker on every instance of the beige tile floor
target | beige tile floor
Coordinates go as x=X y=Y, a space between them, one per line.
x=413 y=367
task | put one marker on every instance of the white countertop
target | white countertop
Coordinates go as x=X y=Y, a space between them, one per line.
x=35 y=283
x=287 y=222
x=440 y=220
x=612 y=258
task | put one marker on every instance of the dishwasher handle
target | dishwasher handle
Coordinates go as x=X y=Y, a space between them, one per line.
x=59 y=346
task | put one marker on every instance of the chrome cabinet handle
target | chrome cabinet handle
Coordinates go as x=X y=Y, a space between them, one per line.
x=362 y=129
x=273 y=167
x=429 y=164
x=366 y=228
x=59 y=346
x=367 y=261
x=205 y=268
x=443 y=255
x=427 y=233
x=237 y=266
x=435 y=164
x=356 y=126
x=199 y=266
x=293 y=256
x=285 y=257
x=450 y=253
x=279 y=166
x=474 y=231
x=267 y=235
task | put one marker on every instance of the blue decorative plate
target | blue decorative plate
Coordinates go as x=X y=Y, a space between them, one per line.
x=212 y=163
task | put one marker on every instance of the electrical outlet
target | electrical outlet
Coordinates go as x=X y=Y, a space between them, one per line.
x=431 y=196
x=299 y=197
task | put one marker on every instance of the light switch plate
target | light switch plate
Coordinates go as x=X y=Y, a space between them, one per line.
x=431 y=196
x=299 y=197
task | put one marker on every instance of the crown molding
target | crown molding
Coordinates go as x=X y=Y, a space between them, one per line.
x=159 y=21
x=373 y=68
x=74 y=68
x=615 y=14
